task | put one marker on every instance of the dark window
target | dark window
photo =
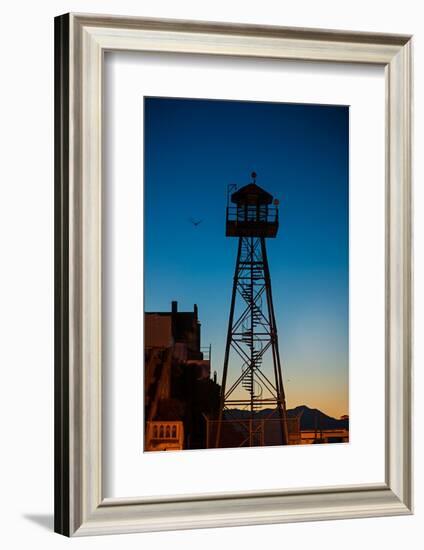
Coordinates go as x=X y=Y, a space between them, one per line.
x=251 y=213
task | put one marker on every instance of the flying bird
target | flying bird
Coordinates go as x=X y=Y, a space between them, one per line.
x=195 y=222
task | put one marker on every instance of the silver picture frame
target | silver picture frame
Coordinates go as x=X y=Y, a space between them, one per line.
x=80 y=506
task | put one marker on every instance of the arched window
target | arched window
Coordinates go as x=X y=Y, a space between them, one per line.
x=168 y=432
x=174 y=432
x=155 y=432
x=161 y=431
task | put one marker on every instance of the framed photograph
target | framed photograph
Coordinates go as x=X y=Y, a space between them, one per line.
x=233 y=274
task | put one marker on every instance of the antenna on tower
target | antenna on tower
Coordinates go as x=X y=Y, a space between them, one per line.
x=230 y=188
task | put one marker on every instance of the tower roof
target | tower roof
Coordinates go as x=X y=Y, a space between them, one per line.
x=251 y=194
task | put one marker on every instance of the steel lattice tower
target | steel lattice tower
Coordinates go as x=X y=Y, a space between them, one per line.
x=252 y=330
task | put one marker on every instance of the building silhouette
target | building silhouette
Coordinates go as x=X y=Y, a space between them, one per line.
x=178 y=389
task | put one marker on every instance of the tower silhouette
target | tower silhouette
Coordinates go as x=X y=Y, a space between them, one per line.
x=256 y=384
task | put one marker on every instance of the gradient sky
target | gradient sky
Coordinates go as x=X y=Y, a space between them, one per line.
x=193 y=150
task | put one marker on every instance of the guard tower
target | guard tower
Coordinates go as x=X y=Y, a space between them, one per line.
x=252 y=378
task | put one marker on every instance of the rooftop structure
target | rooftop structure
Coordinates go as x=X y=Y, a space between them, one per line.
x=255 y=213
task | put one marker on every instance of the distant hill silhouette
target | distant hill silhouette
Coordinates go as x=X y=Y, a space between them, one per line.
x=309 y=420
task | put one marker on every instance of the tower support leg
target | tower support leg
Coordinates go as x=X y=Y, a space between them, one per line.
x=227 y=347
x=281 y=399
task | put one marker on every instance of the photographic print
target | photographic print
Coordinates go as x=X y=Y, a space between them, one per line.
x=246 y=274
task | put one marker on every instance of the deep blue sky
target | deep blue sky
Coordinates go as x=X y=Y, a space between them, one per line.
x=193 y=150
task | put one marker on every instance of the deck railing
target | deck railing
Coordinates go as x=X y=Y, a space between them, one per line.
x=260 y=214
